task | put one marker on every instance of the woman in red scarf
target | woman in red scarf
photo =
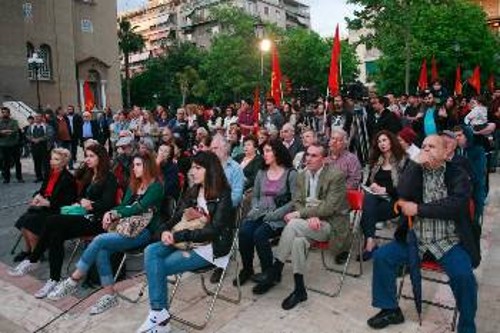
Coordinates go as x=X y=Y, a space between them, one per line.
x=58 y=189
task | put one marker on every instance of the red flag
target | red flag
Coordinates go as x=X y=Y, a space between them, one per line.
x=422 y=80
x=333 y=78
x=256 y=110
x=491 y=83
x=458 y=81
x=434 y=70
x=475 y=80
x=276 y=91
x=88 y=95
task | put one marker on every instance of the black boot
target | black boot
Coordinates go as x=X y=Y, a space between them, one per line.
x=385 y=318
x=298 y=295
x=271 y=278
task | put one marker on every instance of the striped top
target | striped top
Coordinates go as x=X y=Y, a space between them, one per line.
x=434 y=235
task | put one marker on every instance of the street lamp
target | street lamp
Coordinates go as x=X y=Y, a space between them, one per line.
x=36 y=62
x=264 y=47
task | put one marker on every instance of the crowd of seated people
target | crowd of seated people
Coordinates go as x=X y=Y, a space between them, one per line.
x=292 y=176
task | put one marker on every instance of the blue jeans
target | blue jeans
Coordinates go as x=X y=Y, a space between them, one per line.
x=457 y=265
x=375 y=209
x=161 y=261
x=101 y=248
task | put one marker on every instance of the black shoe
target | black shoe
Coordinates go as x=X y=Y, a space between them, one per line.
x=261 y=277
x=385 y=318
x=215 y=277
x=38 y=180
x=341 y=258
x=5 y=181
x=263 y=287
x=293 y=299
x=244 y=276
x=21 y=256
x=20 y=180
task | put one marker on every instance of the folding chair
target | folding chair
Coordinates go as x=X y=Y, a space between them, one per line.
x=215 y=294
x=355 y=200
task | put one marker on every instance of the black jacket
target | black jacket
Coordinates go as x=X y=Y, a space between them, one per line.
x=454 y=207
x=64 y=192
x=76 y=134
x=387 y=121
x=219 y=230
x=251 y=169
x=103 y=195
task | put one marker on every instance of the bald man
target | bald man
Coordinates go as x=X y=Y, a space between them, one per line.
x=435 y=193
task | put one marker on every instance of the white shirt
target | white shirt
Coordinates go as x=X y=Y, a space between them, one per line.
x=206 y=251
x=312 y=193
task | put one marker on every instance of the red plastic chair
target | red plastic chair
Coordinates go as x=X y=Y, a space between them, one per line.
x=355 y=200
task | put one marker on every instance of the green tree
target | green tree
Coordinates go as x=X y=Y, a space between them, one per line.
x=406 y=31
x=128 y=42
x=158 y=82
x=190 y=83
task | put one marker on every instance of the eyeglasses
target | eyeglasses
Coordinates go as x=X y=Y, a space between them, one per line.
x=312 y=155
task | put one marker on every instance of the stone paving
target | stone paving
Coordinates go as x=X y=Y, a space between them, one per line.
x=21 y=312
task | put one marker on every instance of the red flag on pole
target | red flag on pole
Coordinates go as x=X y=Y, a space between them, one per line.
x=458 y=81
x=491 y=83
x=333 y=77
x=256 y=110
x=422 y=80
x=475 y=80
x=88 y=95
x=434 y=70
x=276 y=91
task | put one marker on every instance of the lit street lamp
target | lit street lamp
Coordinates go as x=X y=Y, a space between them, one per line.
x=264 y=47
x=36 y=62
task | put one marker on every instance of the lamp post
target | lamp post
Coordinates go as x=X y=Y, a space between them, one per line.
x=36 y=62
x=264 y=47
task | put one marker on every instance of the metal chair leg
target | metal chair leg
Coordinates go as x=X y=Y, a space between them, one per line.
x=16 y=244
x=72 y=256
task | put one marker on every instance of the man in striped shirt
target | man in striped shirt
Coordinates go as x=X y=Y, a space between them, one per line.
x=435 y=193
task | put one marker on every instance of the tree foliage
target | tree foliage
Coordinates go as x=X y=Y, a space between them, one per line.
x=230 y=69
x=406 y=31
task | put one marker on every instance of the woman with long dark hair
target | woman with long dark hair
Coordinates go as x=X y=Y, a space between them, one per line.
x=144 y=193
x=96 y=198
x=271 y=201
x=387 y=161
x=211 y=197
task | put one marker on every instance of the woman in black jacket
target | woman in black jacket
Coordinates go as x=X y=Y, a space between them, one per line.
x=97 y=197
x=210 y=196
x=58 y=189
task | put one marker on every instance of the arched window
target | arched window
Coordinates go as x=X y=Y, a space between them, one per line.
x=30 y=49
x=46 y=67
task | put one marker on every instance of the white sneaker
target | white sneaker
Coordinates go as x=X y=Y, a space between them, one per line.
x=106 y=302
x=63 y=289
x=23 y=268
x=46 y=289
x=157 y=322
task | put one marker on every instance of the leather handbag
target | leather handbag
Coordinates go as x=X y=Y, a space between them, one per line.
x=132 y=226
x=192 y=219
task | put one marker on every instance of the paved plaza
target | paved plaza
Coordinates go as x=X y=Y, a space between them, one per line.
x=21 y=312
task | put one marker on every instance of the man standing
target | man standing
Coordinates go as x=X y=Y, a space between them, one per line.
x=435 y=194
x=75 y=125
x=340 y=117
x=320 y=214
x=90 y=129
x=9 y=140
x=37 y=135
x=246 y=117
x=384 y=119
x=273 y=119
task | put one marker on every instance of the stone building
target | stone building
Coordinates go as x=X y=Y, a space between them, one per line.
x=77 y=41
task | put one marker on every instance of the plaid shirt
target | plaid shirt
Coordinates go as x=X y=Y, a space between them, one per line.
x=434 y=235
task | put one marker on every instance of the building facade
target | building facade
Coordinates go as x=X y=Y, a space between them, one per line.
x=77 y=41
x=165 y=22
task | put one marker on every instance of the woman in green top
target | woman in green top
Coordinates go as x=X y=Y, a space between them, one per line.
x=144 y=193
